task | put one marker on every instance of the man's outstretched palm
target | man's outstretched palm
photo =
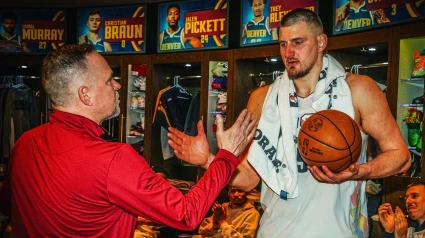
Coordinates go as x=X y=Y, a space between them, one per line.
x=192 y=149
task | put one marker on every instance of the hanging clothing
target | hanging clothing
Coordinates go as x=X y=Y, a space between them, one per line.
x=171 y=107
x=20 y=110
x=160 y=115
x=176 y=101
x=193 y=116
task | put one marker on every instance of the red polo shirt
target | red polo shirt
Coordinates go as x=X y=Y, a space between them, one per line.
x=66 y=181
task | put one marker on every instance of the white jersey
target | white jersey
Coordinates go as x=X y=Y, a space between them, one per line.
x=321 y=210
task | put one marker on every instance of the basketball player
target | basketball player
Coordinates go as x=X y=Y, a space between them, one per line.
x=258 y=30
x=173 y=37
x=10 y=41
x=332 y=204
x=94 y=22
x=355 y=15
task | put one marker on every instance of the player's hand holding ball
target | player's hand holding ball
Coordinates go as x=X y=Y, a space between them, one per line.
x=331 y=139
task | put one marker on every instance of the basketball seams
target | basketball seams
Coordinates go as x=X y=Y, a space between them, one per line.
x=322 y=145
x=337 y=127
x=350 y=154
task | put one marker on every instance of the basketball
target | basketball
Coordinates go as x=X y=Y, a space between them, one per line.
x=330 y=138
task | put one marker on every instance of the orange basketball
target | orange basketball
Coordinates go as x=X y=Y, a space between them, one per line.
x=330 y=138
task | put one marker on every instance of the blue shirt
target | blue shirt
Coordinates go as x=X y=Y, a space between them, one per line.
x=258 y=31
x=172 y=41
x=12 y=44
x=358 y=18
x=98 y=45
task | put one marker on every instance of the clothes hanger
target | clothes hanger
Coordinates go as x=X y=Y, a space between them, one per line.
x=355 y=69
x=19 y=83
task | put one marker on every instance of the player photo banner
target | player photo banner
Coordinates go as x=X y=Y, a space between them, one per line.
x=192 y=25
x=211 y=22
x=261 y=19
x=113 y=29
x=278 y=9
x=35 y=31
x=351 y=16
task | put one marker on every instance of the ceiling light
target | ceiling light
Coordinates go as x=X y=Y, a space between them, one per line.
x=24 y=66
x=188 y=65
x=33 y=77
x=273 y=60
x=372 y=49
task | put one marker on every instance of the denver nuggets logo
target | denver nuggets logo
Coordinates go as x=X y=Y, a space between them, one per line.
x=315 y=125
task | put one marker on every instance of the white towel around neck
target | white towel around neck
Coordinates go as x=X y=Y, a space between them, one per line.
x=273 y=156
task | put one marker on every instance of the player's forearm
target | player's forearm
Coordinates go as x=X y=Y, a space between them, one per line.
x=388 y=163
x=244 y=177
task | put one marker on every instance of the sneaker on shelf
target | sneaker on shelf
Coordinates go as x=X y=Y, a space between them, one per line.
x=139 y=125
x=136 y=131
x=141 y=102
x=137 y=83
x=142 y=82
x=418 y=100
x=419 y=65
x=133 y=102
x=222 y=98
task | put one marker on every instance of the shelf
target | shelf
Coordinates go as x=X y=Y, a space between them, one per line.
x=136 y=91
x=216 y=91
x=413 y=150
x=216 y=112
x=418 y=106
x=136 y=137
x=377 y=65
x=418 y=82
x=138 y=110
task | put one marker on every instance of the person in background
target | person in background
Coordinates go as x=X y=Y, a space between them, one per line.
x=395 y=223
x=292 y=193
x=65 y=181
x=9 y=40
x=173 y=37
x=237 y=218
x=94 y=23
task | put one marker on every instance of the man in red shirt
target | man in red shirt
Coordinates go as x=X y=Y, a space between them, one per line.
x=67 y=182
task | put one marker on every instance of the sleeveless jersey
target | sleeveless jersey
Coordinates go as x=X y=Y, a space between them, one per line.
x=99 y=45
x=12 y=44
x=321 y=210
x=258 y=31
x=172 y=41
x=358 y=18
